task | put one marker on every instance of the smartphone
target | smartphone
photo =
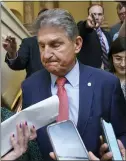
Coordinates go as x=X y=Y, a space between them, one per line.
x=110 y=138
x=93 y=17
x=66 y=141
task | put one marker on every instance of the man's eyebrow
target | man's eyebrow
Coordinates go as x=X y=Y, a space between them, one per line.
x=98 y=13
x=52 y=40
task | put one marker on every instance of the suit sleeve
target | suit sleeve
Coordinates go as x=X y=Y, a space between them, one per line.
x=111 y=32
x=118 y=113
x=25 y=95
x=83 y=29
x=22 y=59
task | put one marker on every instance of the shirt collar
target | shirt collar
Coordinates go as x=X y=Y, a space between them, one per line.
x=72 y=76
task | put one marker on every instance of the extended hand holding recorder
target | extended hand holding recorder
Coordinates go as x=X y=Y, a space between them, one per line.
x=66 y=141
x=110 y=138
x=93 y=17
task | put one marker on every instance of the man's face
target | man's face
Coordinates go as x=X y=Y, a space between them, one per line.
x=58 y=52
x=122 y=14
x=98 y=14
x=119 y=62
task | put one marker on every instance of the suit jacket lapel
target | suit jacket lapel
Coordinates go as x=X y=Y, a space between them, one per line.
x=45 y=91
x=85 y=97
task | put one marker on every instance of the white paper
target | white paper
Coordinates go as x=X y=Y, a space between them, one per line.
x=39 y=115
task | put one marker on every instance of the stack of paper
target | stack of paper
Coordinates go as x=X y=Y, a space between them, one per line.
x=39 y=115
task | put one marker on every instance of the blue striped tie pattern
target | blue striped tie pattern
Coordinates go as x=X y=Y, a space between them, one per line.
x=103 y=47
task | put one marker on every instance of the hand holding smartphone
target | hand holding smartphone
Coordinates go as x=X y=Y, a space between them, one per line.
x=66 y=141
x=110 y=138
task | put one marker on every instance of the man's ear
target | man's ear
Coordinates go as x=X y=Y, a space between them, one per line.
x=78 y=44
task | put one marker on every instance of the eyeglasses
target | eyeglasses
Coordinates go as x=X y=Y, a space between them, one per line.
x=122 y=13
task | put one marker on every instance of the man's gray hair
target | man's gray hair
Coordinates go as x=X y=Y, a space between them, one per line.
x=58 y=18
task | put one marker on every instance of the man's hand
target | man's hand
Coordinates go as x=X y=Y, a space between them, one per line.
x=122 y=149
x=52 y=155
x=10 y=45
x=91 y=22
x=93 y=157
x=108 y=155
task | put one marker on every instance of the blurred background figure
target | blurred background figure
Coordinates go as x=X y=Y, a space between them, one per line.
x=28 y=55
x=96 y=41
x=117 y=57
x=121 y=11
x=122 y=31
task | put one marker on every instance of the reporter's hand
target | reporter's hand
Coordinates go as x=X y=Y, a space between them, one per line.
x=108 y=155
x=20 y=143
x=10 y=45
x=103 y=151
x=122 y=149
x=90 y=22
x=92 y=156
x=52 y=155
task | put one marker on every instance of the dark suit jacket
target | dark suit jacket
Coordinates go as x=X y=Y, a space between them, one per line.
x=114 y=29
x=91 y=51
x=28 y=57
x=104 y=98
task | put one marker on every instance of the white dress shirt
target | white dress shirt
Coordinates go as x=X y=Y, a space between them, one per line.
x=72 y=89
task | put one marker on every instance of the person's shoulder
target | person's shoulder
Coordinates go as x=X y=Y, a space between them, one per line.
x=100 y=75
x=117 y=25
x=81 y=23
x=35 y=78
x=30 y=39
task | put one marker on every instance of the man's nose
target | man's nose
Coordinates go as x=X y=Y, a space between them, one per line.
x=96 y=17
x=47 y=52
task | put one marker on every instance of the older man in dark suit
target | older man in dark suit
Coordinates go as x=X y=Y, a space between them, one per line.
x=86 y=94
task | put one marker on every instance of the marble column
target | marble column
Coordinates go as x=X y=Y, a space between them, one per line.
x=96 y=2
x=28 y=12
x=48 y=4
x=28 y=15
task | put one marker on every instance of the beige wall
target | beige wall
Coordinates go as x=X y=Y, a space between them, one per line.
x=18 y=6
x=110 y=12
x=77 y=9
x=11 y=80
x=36 y=9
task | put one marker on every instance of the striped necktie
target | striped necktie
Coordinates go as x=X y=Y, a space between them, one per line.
x=103 y=47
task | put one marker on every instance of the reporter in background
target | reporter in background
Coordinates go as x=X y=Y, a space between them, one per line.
x=96 y=41
x=121 y=11
x=122 y=31
x=117 y=58
x=28 y=55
